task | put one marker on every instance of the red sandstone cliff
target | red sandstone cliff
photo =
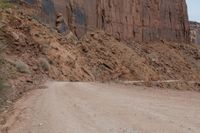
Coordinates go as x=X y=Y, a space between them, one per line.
x=195 y=32
x=141 y=20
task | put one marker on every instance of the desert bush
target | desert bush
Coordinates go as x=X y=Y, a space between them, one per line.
x=22 y=67
x=44 y=64
x=4 y=4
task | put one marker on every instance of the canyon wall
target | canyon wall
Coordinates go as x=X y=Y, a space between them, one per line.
x=139 y=20
x=195 y=32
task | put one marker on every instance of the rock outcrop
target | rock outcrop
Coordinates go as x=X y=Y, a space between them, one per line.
x=141 y=20
x=195 y=32
x=34 y=51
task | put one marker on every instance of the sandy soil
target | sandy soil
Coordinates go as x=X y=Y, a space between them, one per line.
x=65 y=107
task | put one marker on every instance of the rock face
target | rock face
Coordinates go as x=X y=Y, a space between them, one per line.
x=141 y=20
x=195 y=32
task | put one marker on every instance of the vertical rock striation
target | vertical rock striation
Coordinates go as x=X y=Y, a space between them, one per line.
x=141 y=20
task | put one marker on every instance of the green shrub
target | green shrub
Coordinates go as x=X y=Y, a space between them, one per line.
x=22 y=67
x=44 y=63
x=4 y=4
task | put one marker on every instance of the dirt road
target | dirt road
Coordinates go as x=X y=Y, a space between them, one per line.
x=105 y=108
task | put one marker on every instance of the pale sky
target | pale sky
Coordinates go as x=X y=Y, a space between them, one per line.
x=194 y=10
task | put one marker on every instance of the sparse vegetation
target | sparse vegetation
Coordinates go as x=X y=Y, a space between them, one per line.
x=22 y=67
x=4 y=4
x=44 y=63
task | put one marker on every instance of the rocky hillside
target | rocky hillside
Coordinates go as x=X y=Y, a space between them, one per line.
x=195 y=32
x=141 y=20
